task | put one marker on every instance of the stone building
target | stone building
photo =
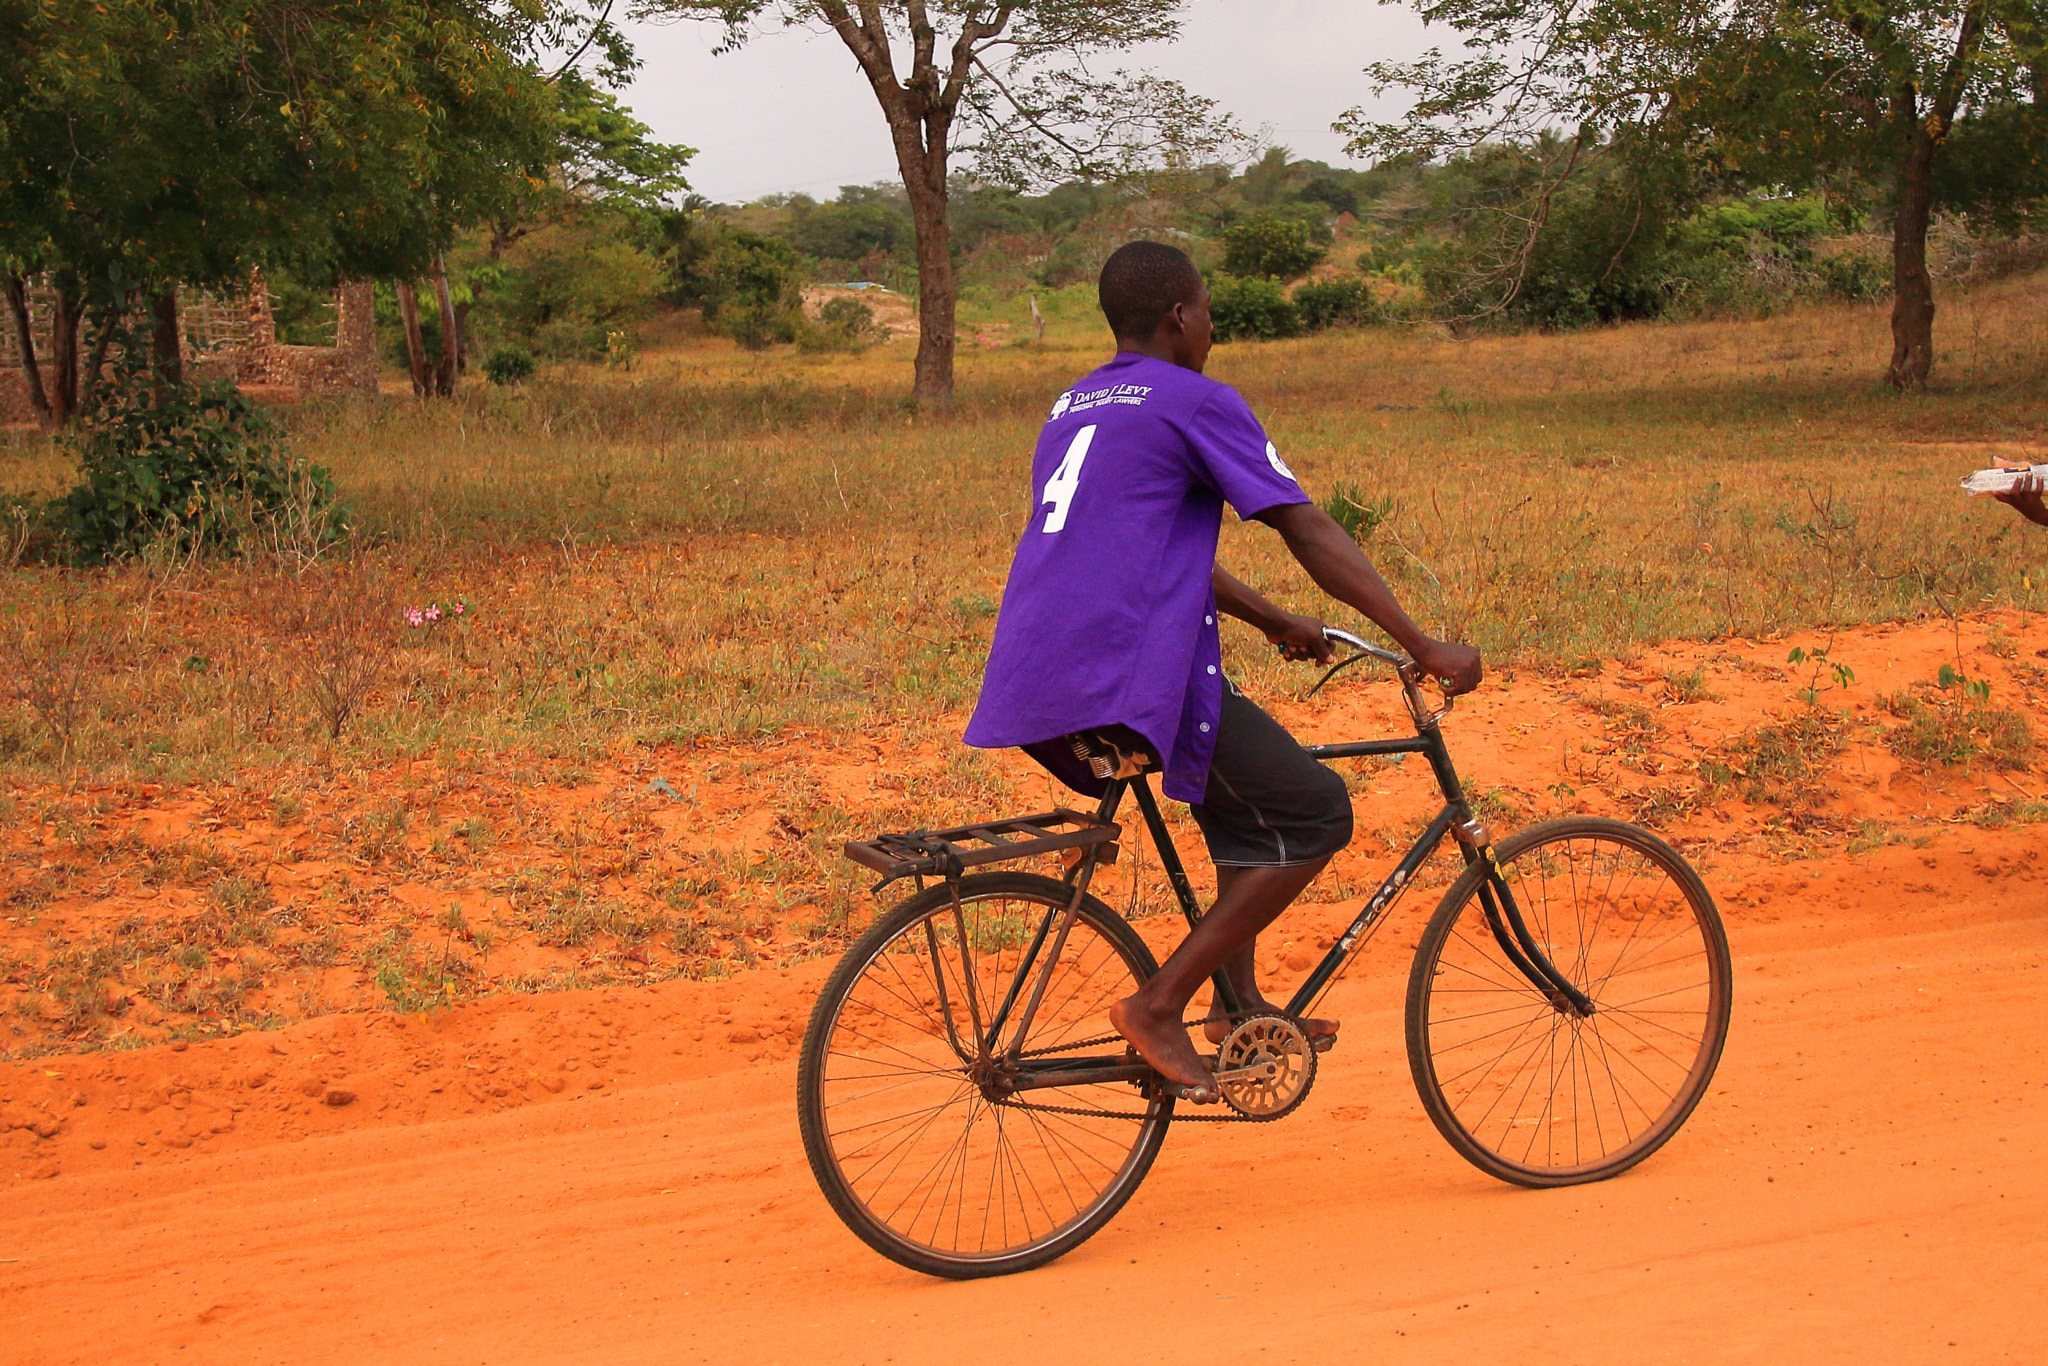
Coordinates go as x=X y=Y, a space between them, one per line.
x=231 y=337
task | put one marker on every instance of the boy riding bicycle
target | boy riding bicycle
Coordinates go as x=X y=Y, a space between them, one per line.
x=1106 y=652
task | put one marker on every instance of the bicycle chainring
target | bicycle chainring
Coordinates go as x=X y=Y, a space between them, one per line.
x=1265 y=1067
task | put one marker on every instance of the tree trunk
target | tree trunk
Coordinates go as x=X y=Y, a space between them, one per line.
x=1912 y=291
x=451 y=333
x=96 y=359
x=938 y=292
x=415 y=344
x=920 y=110
x=25 y=346
x=64 y=347
x=165 y=352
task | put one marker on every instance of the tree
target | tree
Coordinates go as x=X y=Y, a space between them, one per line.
x=163 y=142
x=593 y=157
x=1791 y=93
x=1014 y=76
x=1270 y=246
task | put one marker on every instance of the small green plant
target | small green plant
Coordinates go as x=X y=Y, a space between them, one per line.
x=1689 y=686
x=1786 y=762
x=1840 y=673
x=1956 y=725
x=619 y=351
x=509 y=365
x=1450 y=405
x=1358 y=515
x=1873 y=835
x=1976 y=689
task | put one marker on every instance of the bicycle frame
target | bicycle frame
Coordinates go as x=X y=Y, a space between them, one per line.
x=1503 y=916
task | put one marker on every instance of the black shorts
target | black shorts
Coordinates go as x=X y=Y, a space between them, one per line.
x=1268 y=804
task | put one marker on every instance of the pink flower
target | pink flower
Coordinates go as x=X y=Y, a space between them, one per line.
x=414 y=617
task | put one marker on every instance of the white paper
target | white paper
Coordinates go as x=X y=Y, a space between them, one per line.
x=1999 y=481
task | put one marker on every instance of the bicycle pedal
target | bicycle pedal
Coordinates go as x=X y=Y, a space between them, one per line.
x=1322 y=1043
x=1194 y=1095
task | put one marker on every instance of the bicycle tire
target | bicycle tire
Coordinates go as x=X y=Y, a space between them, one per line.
x=1534 y=1094
x=1045 y=1182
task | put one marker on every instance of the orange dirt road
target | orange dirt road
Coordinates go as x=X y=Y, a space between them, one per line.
x=1867 y=1181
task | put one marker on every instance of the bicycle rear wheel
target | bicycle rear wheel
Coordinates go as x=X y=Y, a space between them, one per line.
x=1521 y=1085
x=926 y=1160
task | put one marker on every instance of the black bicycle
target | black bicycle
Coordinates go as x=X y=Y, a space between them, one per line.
x=969 y=1112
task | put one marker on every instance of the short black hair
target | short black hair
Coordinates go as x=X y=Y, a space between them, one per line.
x=1141 y=282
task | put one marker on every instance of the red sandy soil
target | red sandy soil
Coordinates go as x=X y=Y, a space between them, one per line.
x=615 y=1175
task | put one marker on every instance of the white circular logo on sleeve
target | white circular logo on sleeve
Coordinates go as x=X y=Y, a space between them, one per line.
x=1272 y=458
x=1062 y=403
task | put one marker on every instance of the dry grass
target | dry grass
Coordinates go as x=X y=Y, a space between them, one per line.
x=723 y=544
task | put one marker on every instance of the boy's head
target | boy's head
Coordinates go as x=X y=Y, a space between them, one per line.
x=1157 y=303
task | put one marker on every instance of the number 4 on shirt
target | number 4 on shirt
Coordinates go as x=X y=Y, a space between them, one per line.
x=1059 y=490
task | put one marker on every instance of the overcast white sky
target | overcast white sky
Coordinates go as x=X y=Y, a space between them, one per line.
x=792 y=112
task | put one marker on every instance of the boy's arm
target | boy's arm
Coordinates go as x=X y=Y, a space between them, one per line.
x=1299 y=637
x=1340 y=569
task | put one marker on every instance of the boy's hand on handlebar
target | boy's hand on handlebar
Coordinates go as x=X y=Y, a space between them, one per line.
x=1456 y=667
x=1300 y=638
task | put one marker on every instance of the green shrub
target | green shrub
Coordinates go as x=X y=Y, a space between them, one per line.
x=748 y=286
x=1335 y=303
x=843 y=325
x=197 y=464
x=509 y=364
x=1270 y=246
x=1258 y=309
x=758 y=326
x=1857 y=277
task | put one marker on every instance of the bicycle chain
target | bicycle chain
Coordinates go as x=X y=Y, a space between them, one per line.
x=1229 y=1116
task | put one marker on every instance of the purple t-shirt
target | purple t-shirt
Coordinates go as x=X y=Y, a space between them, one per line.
x=1108 y=616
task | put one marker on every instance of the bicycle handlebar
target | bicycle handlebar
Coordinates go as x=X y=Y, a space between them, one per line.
x=1407 y=668
x=1342 y=637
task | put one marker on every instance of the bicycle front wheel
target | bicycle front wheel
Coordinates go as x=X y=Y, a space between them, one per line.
x=1518 y=1082
x=914 y=1139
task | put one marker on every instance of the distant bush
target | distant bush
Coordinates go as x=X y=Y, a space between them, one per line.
x=509 y=364
x=564 y=289
x=1251 y=308
x=1335 y=194
x=1335 y=303
x=1270 y=246
x=843 y=325
x=748 y=286
x=1858 y=277
x=198 y=465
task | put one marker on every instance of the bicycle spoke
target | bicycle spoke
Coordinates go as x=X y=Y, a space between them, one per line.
x=1594 y=1093
x=931 y=1160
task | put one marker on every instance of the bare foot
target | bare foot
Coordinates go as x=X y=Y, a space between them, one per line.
x=1162 y=1041
x=1217 y=1030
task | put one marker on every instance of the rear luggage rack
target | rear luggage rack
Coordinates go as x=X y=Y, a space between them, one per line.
x=945 y=853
